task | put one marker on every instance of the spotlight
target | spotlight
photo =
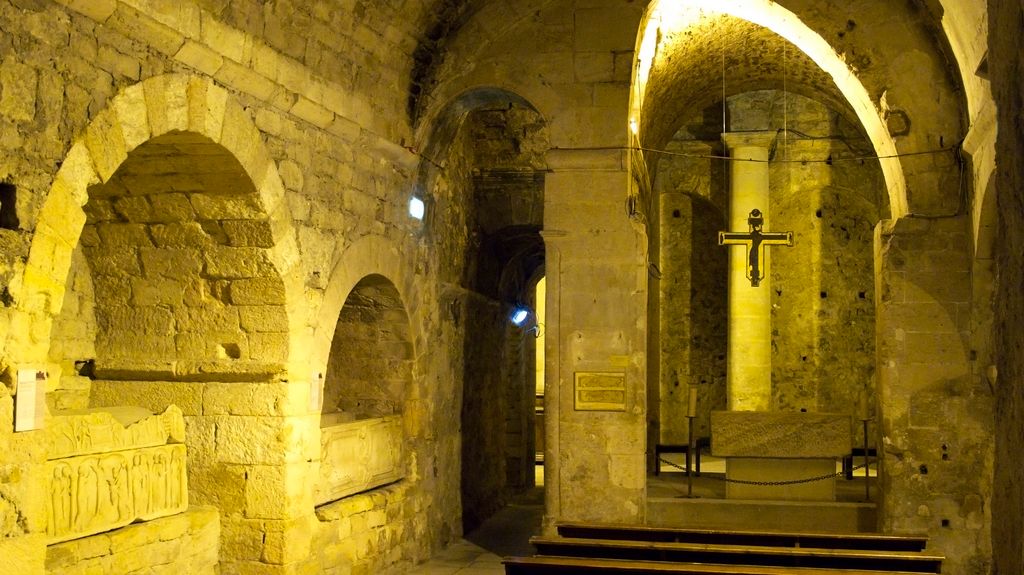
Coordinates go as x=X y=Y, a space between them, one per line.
x=519 y=315
x=416 y=208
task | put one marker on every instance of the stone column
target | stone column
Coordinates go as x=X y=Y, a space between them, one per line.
x=749 y=368
x=595 y=388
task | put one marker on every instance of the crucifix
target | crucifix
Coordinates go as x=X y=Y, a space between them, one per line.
x=755 y=240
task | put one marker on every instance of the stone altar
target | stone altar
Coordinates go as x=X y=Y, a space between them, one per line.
x=780 y=446
x=109 y=467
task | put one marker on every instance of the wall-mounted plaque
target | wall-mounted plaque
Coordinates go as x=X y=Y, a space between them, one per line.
x=600 y=391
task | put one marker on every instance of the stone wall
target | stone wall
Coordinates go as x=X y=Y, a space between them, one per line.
x=73 y=339
x=823 y=287
x=1006 y=66
x=692 y=289
x=935 y=409
x=340 y=181
x=370 y=368
x=184 y=543
x=379 y=532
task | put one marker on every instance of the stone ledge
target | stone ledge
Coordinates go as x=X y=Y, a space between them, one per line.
x=184 y=543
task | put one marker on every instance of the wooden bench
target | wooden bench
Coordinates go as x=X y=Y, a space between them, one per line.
x=758 y=555
x=578 y=566
x=701 y=443
x=868 y=541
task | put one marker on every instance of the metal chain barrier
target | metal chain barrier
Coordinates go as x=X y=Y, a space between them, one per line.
x=769 y=483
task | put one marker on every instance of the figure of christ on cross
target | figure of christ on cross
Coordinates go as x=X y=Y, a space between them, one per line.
x=755 y=240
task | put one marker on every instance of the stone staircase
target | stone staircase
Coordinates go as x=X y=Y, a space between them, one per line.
x=635 y=550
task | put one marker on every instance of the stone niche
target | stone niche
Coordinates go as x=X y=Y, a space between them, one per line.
x=110 y=467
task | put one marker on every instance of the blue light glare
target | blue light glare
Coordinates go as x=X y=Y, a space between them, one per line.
x=519 y=316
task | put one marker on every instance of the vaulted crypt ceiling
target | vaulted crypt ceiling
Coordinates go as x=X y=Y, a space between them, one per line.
x=719 y=56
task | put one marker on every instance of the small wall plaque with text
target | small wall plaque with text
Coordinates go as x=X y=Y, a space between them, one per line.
x=599 y=391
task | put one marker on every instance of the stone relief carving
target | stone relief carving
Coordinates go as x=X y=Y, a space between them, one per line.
x=358 y=455
x=85 y=431
x=108 y=468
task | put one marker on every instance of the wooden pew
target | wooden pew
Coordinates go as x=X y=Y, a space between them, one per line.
x=866 y=541
x=760 y=555
x=579 y=566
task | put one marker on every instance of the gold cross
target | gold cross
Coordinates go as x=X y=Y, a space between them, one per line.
x=755 y=240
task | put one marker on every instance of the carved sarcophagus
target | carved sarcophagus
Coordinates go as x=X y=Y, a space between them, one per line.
x=357 y=456
x=112 y=466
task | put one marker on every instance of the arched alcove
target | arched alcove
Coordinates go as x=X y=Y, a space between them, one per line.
x=368 y=379
x=822 y=313
x=176 y=245
x=369 y=370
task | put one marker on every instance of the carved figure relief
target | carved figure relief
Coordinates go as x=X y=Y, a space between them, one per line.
x=107 y=474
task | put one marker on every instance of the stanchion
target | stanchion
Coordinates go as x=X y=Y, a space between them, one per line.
x=691 y=415
x=863 y=412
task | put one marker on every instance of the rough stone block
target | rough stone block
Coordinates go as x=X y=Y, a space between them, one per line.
x=133 y=208
x=238 y=263
x=136 y=24
x=174 y=263
x=227 y=207
x=777 y=434
x=206 y=105
x=120 y=235
x=248 y=233
x=593 y=67
x=225 y=40
x=157 y=292
x=245 y=79
x=119 y=65
x=270 y=347
x=98 y=10
x=264 y=492
x=211 y=346
x=250 y=440
x=263 y=291
x=105 y=142
x=179 y=235
x=219 y=484
x=263 y=318
x=180 y=16
x=18 y=96
x=121 y=263
x=313 y=113
x=244 y=399
x=171 y=207
x=207 y=319
x=200 y=57
x=154 y=396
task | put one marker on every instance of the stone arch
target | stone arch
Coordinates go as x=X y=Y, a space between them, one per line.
x=368 y=256
x=156 y=107
x=778 y=19
x=373 y=333
x=365 y=340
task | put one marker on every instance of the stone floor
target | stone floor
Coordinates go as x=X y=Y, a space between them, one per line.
x=508 y=531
